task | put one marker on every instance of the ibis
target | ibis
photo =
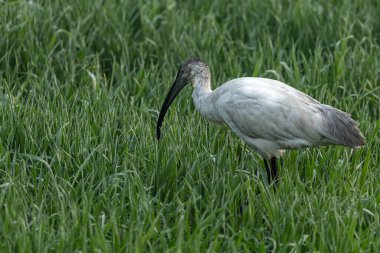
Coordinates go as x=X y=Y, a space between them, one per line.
x=268 y=115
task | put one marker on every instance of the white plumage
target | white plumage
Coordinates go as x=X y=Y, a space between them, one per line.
x=268 y=115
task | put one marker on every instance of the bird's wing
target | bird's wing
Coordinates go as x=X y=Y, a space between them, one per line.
x=271 y=112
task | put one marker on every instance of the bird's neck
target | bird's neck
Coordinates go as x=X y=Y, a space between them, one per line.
x=202 y=88
x=204 y=100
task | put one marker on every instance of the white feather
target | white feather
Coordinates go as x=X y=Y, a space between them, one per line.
x=268 y=115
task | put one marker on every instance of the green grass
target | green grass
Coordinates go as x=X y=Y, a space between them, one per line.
x=81 y=83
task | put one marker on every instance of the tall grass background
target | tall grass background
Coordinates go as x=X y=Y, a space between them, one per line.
x=81 y=83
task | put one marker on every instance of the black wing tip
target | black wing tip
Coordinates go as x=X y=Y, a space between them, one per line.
x=359 y=140
x=343 y=129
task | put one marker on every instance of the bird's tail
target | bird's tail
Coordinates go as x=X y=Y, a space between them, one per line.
x=341 y=128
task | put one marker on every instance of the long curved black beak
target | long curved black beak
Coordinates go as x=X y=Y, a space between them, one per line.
x=177 y=86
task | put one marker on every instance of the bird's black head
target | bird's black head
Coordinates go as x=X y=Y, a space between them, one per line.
x=187 y=72
x=191 y=68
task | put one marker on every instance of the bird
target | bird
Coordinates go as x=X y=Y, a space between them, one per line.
x=268 y=115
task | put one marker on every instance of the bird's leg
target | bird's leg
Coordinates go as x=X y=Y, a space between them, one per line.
x=273 y=169
x=268 y=170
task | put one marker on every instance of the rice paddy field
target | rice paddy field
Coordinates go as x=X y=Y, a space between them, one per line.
x=81 y=85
